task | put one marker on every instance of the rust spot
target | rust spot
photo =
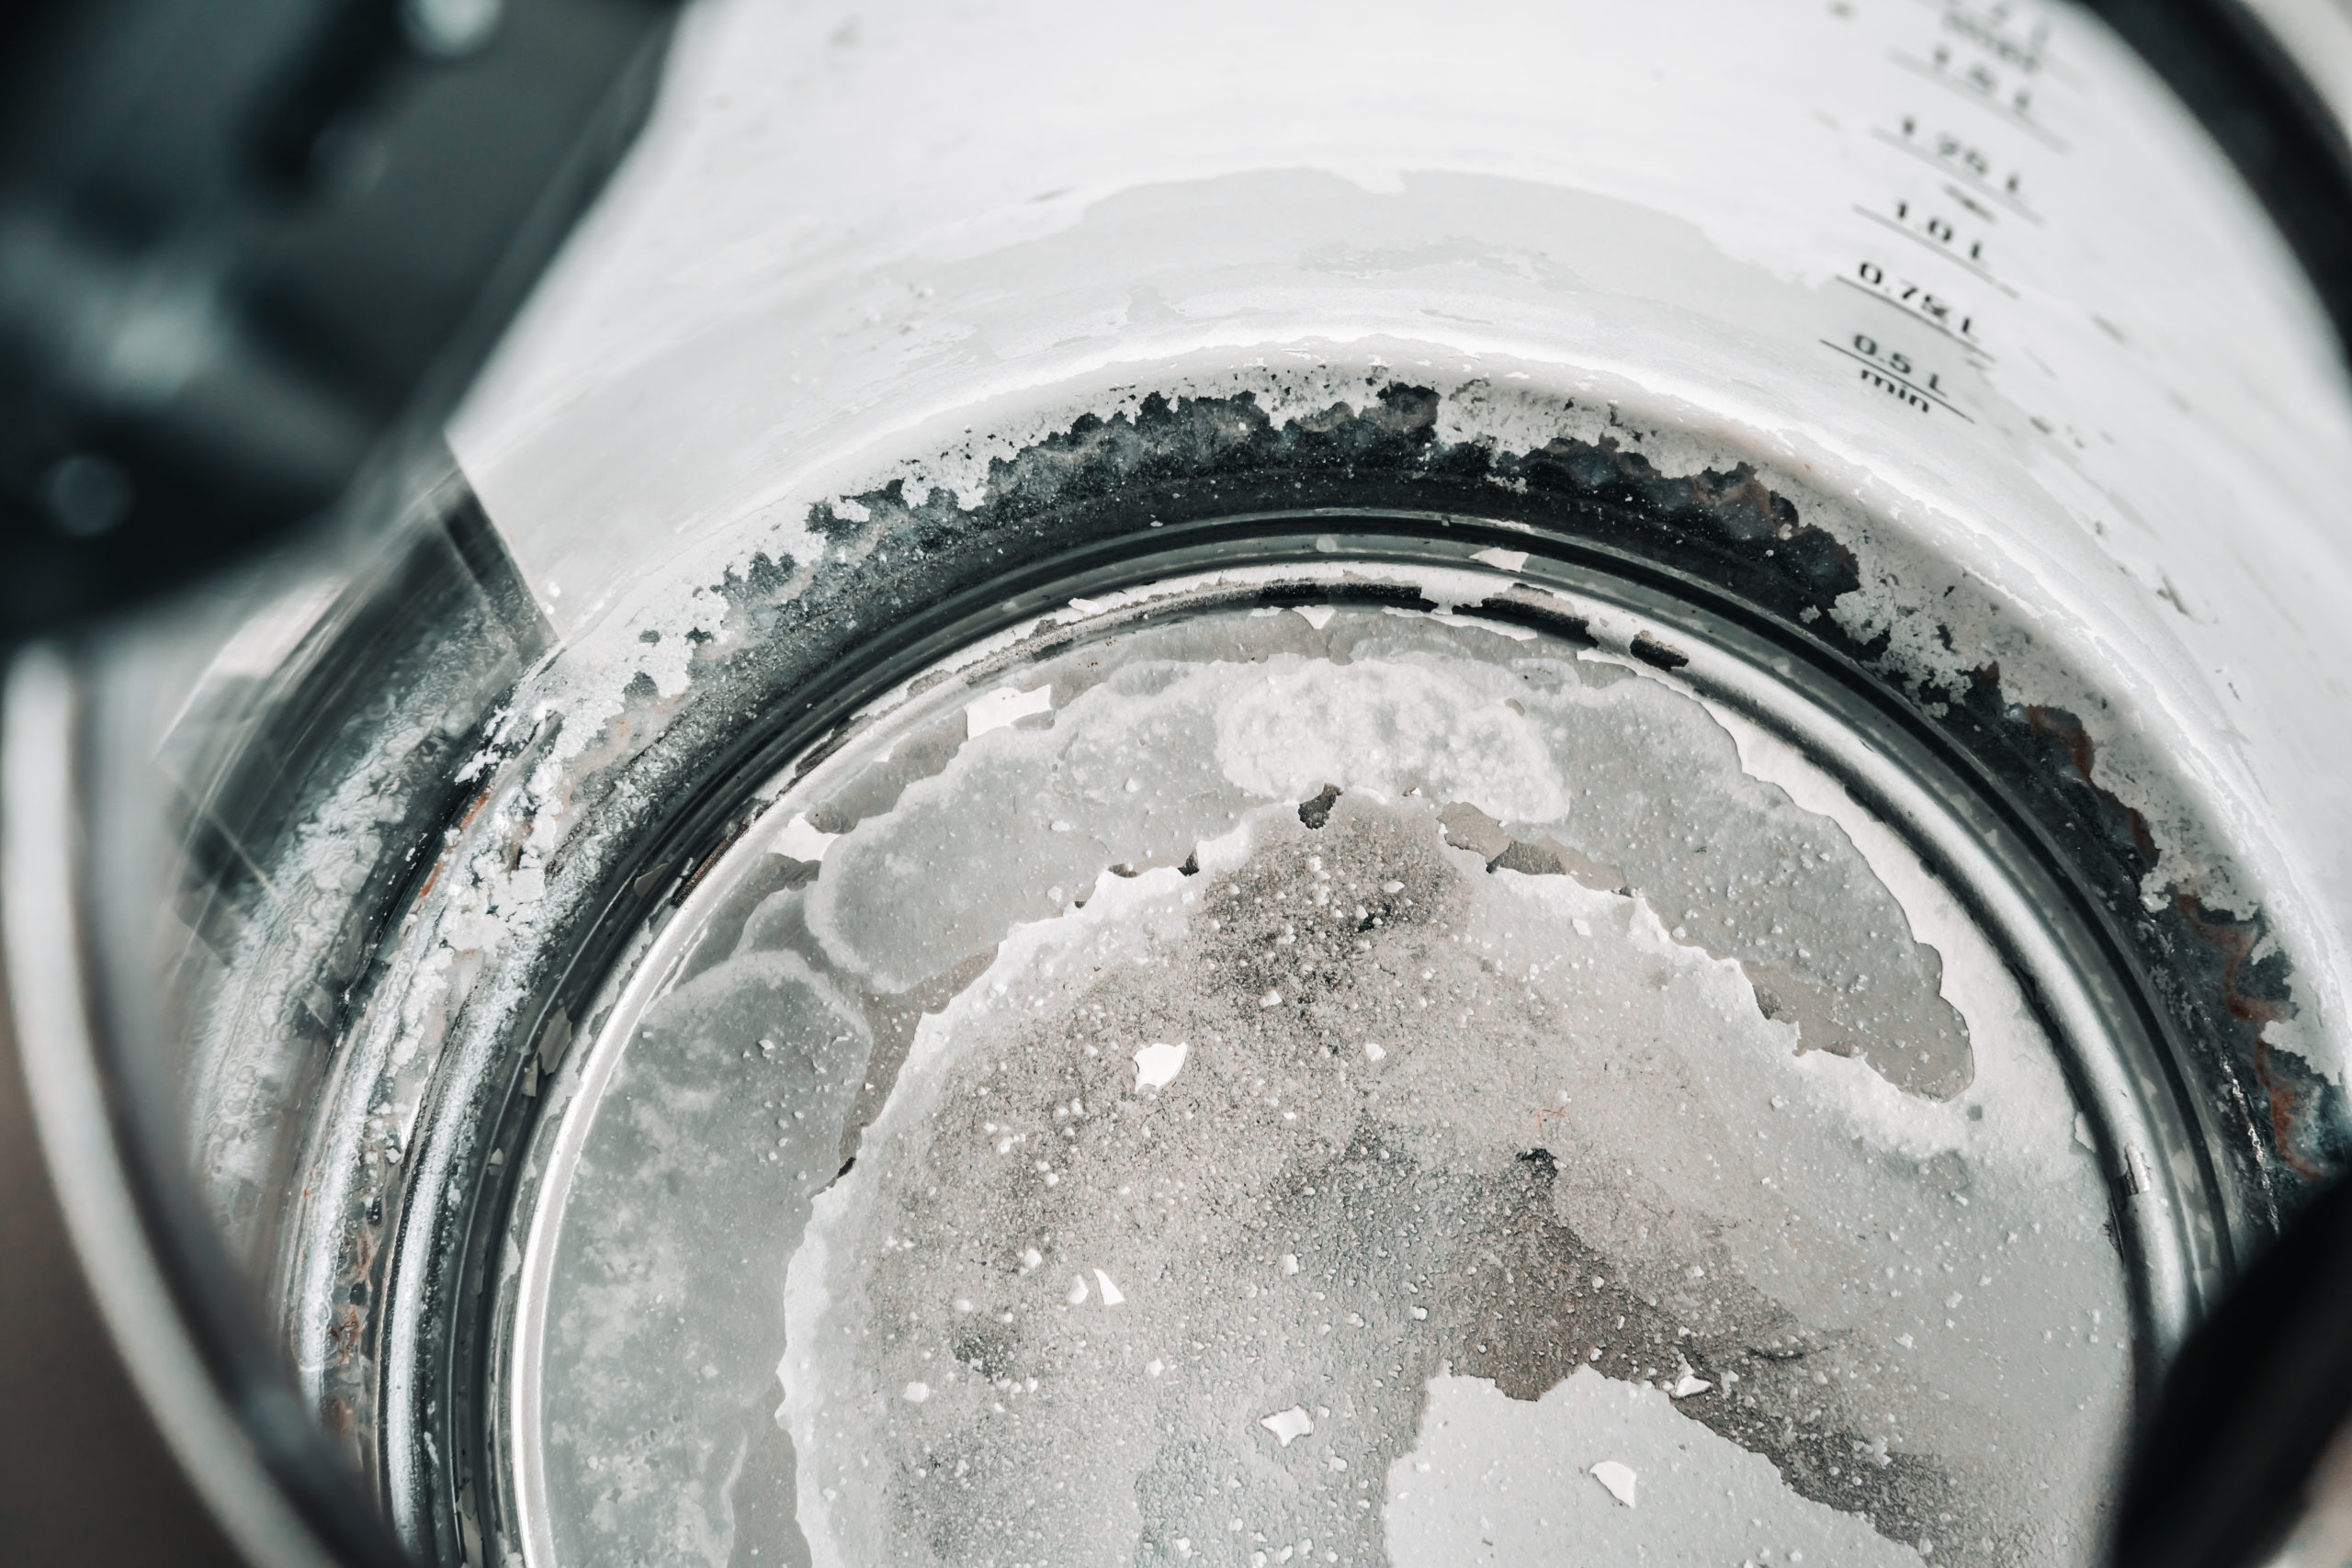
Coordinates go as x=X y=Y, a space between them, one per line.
x=440 y=864
x=2230 y=939
x=335 y=1415
x=441 y=861
x=2068 y=731
x=345 y=1335
x=2234 y=943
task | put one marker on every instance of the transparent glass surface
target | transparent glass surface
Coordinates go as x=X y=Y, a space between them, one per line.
x=1325 y=1065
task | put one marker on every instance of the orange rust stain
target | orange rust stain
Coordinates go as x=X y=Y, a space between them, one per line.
x=2235 y=943
x=2083 y=753
x=2070 y=733
x=441 y=862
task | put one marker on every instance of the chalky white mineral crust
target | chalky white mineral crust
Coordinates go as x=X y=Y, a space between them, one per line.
x=1501 y=1474
x=1158 y=1065
x=1435 y=1050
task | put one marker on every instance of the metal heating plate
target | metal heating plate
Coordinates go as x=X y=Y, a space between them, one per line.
x=1292 y=1057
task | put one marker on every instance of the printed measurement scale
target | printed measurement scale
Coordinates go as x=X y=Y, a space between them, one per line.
x=1956 y=199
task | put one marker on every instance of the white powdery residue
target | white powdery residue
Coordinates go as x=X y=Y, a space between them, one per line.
x=1110 y=928
x=2307 y=1035
x=801 y=840
x=1039 y=1292
x=1317 y=615
x=1288 y=1425
x=1076 y=1290
x=486 y=895
x=1156 y=1065
x=1906 y=596
x=586 y=683
x=1372 y=1052
x=1821 y=1150
x=1908 y=619
x=2019 y=1098
x=1868 y=1106
x=1620 y=1479
x=668 y=663
x=1390 y=728
x=1501 y=559
x=806 y=1298
x=1504 y=629
x=916 y=1392
x=1512 y=422
x=820 y=1275
x=1573 y=1461
x=657 y=633
x=1002 y=707
x=1112 y=1295
x=1051 y=791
